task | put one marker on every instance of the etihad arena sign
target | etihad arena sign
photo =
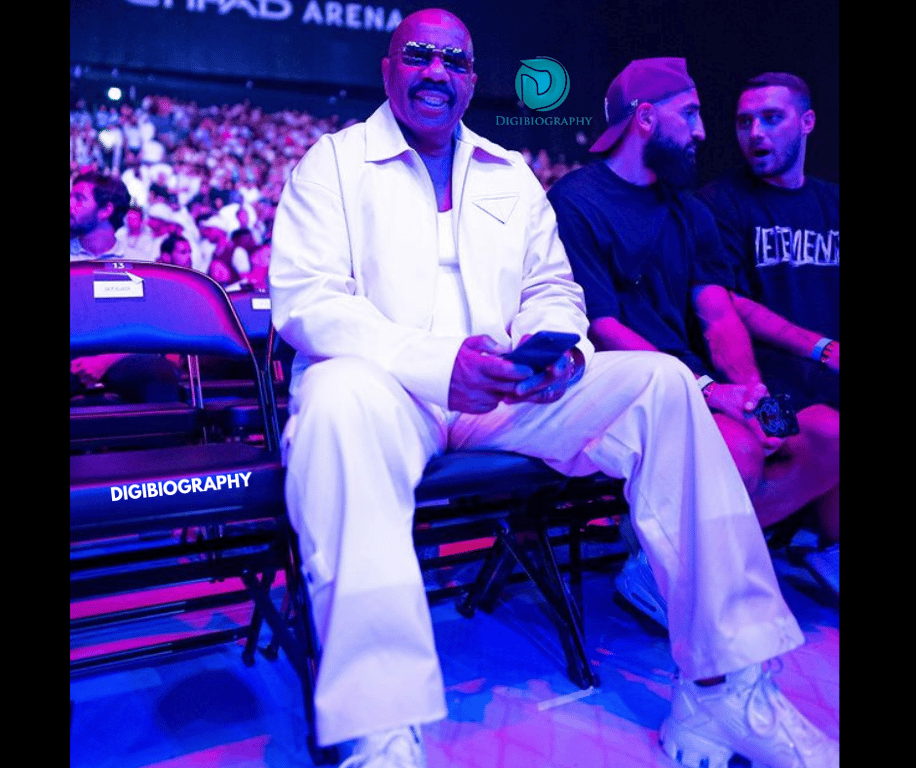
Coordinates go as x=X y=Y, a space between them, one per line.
x=331 y=42
x=357 y=16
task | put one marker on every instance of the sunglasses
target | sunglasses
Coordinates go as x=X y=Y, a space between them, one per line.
x=456 y=60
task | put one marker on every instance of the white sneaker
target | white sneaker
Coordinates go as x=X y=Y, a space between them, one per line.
x=636 y=584
x=398 y=748
x=745 y=715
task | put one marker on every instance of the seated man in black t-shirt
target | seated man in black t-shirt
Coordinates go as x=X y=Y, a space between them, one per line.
x=650 y=260
x=781 y=232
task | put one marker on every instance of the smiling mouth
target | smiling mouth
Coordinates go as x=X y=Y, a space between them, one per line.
x=432 y=96
x=433 y=99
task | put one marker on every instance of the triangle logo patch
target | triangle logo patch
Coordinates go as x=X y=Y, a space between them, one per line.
x=500 y=207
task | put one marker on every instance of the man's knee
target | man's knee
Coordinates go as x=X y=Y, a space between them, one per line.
x=344 y=388
x=822 y=422
x=647 y=369
x=336 y=402
x=820 y=434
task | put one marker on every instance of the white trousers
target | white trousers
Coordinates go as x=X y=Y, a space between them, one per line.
x=356 y=446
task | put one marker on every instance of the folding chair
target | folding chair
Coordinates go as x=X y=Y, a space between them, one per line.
x=515 y=500
x=197 y=512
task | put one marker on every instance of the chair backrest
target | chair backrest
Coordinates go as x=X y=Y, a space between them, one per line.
x=143 y=307
x=147 y=307
x=253 y=309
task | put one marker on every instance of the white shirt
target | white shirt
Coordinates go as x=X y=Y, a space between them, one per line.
x=451 y=316
x=78 y=253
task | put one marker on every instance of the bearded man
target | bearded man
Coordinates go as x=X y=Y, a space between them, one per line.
x=650 y=260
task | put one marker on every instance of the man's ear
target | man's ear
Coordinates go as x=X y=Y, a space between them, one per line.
x=106 y=210
x=645 y=118
x=807 y=122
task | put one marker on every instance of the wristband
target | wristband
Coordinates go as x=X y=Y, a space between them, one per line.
x=706 y=384
x=818 y=351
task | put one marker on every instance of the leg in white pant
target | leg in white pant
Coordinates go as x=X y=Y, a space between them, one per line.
x=359 y=444
x=640 y=416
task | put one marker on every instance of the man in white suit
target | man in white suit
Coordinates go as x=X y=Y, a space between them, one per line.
x=408 y=254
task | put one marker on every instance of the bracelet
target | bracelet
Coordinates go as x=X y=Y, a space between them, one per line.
x=828 y=352
x=706 y=385
x=818 y=352
x=578 y=371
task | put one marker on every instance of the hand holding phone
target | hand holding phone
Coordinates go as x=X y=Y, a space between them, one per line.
x=552 y=372
x=542 y=350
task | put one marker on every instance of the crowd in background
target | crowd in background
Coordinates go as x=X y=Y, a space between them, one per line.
x=205 y=181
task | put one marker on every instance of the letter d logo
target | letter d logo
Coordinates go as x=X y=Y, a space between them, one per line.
x=542 y=83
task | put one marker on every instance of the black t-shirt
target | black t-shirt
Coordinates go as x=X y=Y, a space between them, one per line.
x=783 y=246
x=637 y=252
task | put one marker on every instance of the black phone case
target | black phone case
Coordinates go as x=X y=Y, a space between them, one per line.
x=542 y=350
x=777 y=416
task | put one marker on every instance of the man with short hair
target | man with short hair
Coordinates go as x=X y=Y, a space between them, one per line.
x=781 y=231
x=644 y=251
x=408 y=255
x=98 y=205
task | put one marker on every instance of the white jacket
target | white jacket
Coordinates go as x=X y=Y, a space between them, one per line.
x=354 y=254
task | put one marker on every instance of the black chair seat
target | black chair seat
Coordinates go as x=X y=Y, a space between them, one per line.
x=195 y=484
x=483 y=473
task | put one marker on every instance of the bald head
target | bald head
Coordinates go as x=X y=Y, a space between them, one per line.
x=406 y=30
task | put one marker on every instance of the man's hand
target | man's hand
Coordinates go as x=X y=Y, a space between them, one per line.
x=738 y=402
x=481 y=379
x=549 y=385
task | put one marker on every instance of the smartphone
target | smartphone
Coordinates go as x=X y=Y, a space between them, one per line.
x=542 y=350
x=777 y=416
